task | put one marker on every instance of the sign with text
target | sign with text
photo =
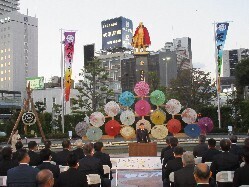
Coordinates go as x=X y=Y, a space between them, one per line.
x=36 y=83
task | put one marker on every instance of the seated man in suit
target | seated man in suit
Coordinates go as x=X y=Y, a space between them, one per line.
x=47 y=145
x=22 y=175
x=35 y=159
x=185 y=177
x=225 y=161
x=6 y=163
x=92 y=165
x=18 y=146
x=173 y=165
x=142 y=134
x=169 y=154
x=212 y=151
x=46 y=159
x=79 y=150
x=72 y=177
x=165 y=148
x=61 y=157
x=104 y=158
x=241 y=174
x=202 y=175
x=235 y=149
x=45 y=178
x=201 y=148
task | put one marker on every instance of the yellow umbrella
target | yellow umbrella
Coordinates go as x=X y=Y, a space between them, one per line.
x=127 y=132
x=158 y=117
x=159 y=131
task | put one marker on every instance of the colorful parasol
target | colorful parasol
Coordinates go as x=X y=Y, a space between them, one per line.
x=112 y=108
x=159 y=131
x=189 y=115
x=126 y=99
x=97 y=119
x=158 y=117
x=142 y=108
x=206 y=124
x=141 y=89
x=192 y=130
x=174 y=126
x=127 y=132
x=94 y=133
x=146 y=123
x=127 y=117
x=173 y=106
x=112 y=128
x=81 y=128
x=157 y=97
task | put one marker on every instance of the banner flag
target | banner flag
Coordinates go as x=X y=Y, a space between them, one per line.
x=68 y=58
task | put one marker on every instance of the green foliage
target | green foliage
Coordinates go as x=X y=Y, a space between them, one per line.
x=40 y=106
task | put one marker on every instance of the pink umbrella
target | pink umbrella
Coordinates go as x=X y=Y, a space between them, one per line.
x=142 y=108
x=206 y=124
x=141 y=89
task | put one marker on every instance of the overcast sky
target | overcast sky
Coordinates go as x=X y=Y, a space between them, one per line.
x=165 y=20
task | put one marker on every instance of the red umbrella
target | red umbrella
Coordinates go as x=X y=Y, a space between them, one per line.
x=142 y=108
x=174 y=126
x=112 y=128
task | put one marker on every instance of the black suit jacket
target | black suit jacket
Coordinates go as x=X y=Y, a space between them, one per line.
x=5 y=165
x=22 y=176
x=163 y=150
x=241 y=176
x=209 y=155
x=35 y=158
x=172 y=166
x=224 y=161
x=185 y=177
x=200 y=150
x=61 y=157
x=105 y=160
x=72 y=178
x=235 y=149
x=79 y=152
x=203 y=185
x=168 y=155
x=142 y=136
x=53 y=168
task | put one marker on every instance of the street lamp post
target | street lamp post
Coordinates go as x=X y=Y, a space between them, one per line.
x=166 y=59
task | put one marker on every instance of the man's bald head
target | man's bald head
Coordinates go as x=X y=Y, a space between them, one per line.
x=202 y=173
x=45 y=178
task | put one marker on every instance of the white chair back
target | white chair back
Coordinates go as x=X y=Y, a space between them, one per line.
x=171 y=177
x=198 y=160
x=3 y=180
x=107 y=170
x=63 y=168
x=93 y=179
x=225 y=176
x=208 y=163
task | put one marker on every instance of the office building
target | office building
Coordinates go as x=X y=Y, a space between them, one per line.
x=7 y=6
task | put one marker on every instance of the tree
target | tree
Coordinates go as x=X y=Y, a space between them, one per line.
x=94 y=88
x=40 y=106
x=192 y=88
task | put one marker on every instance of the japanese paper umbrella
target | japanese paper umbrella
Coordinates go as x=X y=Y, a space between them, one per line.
x=174 y=126
x=142 y=108
x=159 y=131
x=94 y=133
x=173 y=106
x=146 y=123
x=127 y=117
x=157 y=97
x=127 y=132
x=97 y=119
x=206 y=124
x=112 y=108
x=141 y=89
x=112 y=128
x=126 y=99
x=158 y=117
x=81 y=128
x=192 y=130
x=189 y=115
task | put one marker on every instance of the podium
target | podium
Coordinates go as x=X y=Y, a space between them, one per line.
x=143 y=149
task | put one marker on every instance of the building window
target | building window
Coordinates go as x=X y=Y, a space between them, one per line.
x=1 y=65
x=45 y=101
x=9 y=63
x=9 y=49
x=1 y=51
x=5 y=50
x=9 y=78
x=1 y=79
x=8 y=56
x=1 y=72
x=53 y=100
x=1 y=58
x=9 y=70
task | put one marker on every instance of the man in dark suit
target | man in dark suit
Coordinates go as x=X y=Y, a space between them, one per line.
x=72 y=177
x=45 y=178
x=241 y=174
x=173 y=165
x=79 y=150
x=18 y=146
x=201 y=148
x=225 y=161
x=22 y=175
x=46 y=158
x=92 y=165
x=103 y=157
x=61 y=157
x=185 y=177
x=165 y=148
x=235 y=149
x=202 y=175
x=169 y=154
x=6 y=162
x=212 y=151
x=142 y=134
x=35 y=159
x=47 y=145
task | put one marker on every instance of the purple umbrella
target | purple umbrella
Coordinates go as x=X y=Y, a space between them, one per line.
x=206 y=124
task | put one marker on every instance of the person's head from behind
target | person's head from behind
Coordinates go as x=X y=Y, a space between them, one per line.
x=202 y=138
x=45 y=154
x=45 y=178
x=167 y=140
x=66 y=144
x=211 y=143
x=32 y=145
x=233 y=139
x=7 y=153
x=79 y=143
x=72 y=160
x=47 y=144
x=225 y=145
x=19 y=145
x=23 y=156
x=202 y=173
x=178 y=151
x=173 y=142
x=188 y=159
x=98 y=146
x=88 y=149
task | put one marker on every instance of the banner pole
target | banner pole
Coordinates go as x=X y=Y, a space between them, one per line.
x=62 y=83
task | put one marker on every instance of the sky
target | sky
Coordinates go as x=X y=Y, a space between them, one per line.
x=164 y=19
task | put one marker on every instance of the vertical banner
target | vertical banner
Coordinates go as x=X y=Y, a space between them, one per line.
x=68 y=57
x=221 y=33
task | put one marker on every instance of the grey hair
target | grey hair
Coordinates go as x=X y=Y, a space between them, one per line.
x=79 y=143
x=188 y=158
